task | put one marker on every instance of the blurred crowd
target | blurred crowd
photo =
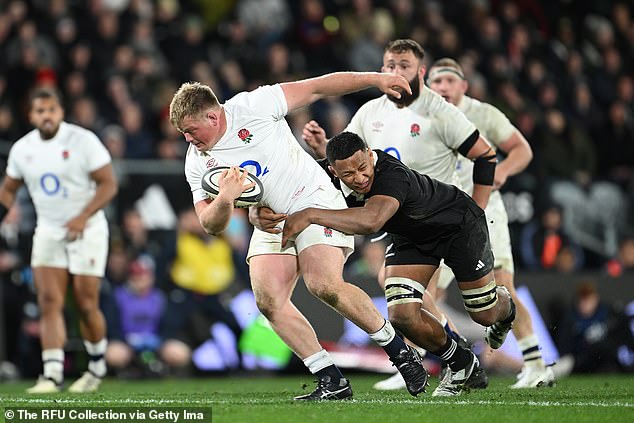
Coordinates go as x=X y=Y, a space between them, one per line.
x=562 y=71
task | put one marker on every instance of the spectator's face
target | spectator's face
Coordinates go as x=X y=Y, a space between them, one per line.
x=46 y=115
x=408 y=66
x=587 y=304
x=449 y=85
x=357 y=171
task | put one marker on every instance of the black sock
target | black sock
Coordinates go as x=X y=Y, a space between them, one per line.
x=453 y=335
x=332 y=372
x=395 y=346
x=455 y=356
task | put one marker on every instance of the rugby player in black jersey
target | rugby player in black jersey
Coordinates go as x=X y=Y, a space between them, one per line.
x=428 y=221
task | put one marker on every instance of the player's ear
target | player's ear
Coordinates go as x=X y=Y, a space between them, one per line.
x=213 y=117
x=332 y=170
x=421 y=74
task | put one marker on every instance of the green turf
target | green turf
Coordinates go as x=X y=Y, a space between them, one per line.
x=602 y=398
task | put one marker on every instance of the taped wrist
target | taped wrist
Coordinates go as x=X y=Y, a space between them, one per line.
x=484 y=168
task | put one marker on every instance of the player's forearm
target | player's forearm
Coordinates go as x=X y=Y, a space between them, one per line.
x=104 y=193
x=518 y=154
x=350 y=221
x=481 y=195
x=215 y=217
x=340 y=83
x=517 y=160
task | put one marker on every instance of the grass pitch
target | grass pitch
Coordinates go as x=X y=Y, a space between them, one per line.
x=601 y=398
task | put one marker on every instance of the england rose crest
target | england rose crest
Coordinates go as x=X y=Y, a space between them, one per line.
x=414 y=130
x=244 y=135
x=328 y=232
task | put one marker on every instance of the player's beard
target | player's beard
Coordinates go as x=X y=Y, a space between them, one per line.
x=407 y=99
x=48 y=130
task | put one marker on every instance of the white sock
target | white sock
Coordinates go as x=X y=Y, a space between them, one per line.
x=385 y=335
x=529 y=345
x=53 y=361
x=319 y=360
x=97 y=362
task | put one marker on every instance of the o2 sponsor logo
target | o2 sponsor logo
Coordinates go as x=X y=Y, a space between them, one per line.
x=254 y=167
x=51 y=185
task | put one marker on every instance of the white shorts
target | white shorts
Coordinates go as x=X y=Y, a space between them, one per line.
x=266 y=243
x=499 y=236
x=323 y=198
x=85 y=256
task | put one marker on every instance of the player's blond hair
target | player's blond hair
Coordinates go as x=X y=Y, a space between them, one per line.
x=191 y=100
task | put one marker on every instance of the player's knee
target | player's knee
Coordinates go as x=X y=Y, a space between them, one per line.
x=49 y=302
x=87 y=307
x=482 y=303
x=325 y=292
x=175 y=353
x=266 y=303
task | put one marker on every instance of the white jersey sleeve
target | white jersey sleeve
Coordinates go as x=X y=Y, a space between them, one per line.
x=493 y=125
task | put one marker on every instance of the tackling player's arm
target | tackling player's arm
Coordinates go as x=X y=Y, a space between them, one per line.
x=8 y=191
x=477 y=149
x=214 y=215
x=356 y=220
x=106 y=189
x=302 y=93
x=518 y=155
x=266 y=219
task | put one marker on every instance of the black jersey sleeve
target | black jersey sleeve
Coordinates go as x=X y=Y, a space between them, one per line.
x=394 y=183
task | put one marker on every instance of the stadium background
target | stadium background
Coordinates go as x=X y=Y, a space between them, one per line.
x=561 y=70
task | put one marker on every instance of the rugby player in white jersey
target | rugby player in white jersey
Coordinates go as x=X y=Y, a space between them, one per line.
x=422 y=130
x=446 y=77
x=249 y=131
x=69 y=176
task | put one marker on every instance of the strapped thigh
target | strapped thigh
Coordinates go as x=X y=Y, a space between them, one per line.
x=403 y=290
x=480 y=299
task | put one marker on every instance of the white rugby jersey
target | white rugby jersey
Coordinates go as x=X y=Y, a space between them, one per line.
x=425 y=136
x=259 y=140
x=492 y=124
x=57 y=172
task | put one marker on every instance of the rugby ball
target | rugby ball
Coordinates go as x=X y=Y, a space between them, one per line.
x=250 y=197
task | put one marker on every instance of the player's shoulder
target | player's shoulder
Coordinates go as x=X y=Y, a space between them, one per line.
x=375 y=105
x=479 y=106
x=432 y=104
x=253 y=97
x=72 y=131
x=26 y=142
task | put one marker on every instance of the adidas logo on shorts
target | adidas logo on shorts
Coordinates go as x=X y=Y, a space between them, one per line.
x=480 y=265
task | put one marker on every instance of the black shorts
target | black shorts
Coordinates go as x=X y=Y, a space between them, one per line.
x=467 y=252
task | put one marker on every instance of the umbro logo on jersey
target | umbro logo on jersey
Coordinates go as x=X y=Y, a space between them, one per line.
x=480 y=265
x=245 y=136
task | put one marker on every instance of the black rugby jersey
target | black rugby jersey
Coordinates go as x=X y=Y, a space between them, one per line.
x=430 y=211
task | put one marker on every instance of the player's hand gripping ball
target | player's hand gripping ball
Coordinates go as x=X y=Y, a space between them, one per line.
x=250 y=197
